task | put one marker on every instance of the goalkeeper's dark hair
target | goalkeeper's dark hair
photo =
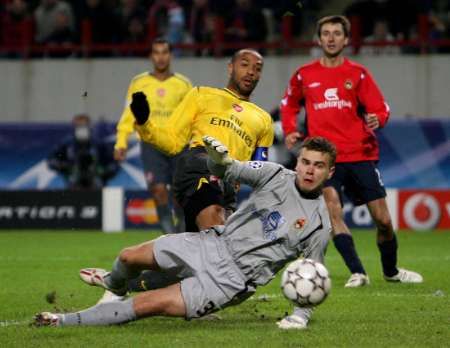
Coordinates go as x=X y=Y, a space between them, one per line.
x=337 y=19
x=322 y=145
x=161 y=40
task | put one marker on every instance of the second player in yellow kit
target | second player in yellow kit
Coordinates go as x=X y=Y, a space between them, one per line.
x=163 y=95
x=165 y=91
x=227 y=115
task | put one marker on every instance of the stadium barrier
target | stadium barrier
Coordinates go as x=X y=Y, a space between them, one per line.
x=114 y=209
x=23 y=45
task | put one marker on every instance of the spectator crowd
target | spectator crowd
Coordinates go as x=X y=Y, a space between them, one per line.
x=62 y=23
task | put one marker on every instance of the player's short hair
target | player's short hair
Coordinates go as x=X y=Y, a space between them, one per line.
x=336 y=19
x=161 y=40
x=322 y=145
x=244 y=50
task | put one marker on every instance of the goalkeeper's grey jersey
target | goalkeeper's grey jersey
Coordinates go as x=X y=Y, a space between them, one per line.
x=276 y=224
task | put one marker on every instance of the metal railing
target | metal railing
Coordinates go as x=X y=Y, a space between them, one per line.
x=217 y=47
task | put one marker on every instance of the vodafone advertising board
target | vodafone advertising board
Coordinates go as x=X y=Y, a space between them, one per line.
x=114 y=209
x=424 y=209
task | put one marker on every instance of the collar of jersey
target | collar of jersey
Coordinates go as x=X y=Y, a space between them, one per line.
x=234 y=94
x=309 y=195
x=154 y=77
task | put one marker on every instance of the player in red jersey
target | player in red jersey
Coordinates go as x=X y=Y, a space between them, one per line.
x=343 y=104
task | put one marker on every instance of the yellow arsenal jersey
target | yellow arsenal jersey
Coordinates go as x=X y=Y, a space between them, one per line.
x=239 y=124
x=163 y=96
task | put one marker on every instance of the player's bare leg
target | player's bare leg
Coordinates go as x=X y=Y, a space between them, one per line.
x=210 y=216
x=137 y=258
x=387 y=244
x=128 y=265
x=167 y=301
x=343 y=240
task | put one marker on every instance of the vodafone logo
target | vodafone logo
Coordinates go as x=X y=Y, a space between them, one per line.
x=141 y=211
x=421 y=211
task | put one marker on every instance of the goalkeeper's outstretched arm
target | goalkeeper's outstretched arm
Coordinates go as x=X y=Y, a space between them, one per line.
x=253 y=173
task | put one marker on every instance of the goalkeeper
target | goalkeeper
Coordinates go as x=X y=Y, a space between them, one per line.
x=223 y=113
x=284 y=218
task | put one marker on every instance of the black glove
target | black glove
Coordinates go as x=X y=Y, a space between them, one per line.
x=140 y=107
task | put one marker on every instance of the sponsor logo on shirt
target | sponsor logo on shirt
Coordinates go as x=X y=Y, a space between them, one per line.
x=332 y=101
x=237 y=107
x=161 y=92
x=271 y=222
x=234 y=124
x=331 y=94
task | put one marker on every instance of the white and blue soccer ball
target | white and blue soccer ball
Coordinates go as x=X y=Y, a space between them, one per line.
x=306 y=283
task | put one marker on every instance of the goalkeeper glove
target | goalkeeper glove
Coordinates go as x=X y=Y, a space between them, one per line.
x=140 y=107
x=217 y=152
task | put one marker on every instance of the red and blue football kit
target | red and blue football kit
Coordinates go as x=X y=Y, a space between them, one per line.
x=335 y=100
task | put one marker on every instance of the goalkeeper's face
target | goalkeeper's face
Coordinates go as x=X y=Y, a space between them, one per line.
x=161 y=57
x=313 y=169
x=245 y=71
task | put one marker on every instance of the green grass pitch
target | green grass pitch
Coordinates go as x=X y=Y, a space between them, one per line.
x=33 y=264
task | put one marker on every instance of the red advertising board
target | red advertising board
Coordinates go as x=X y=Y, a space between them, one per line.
x=424 y=209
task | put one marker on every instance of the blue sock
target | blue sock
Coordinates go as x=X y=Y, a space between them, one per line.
x=388 y=251
x=346 y=247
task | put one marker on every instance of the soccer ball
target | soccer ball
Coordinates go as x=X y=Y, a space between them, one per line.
x=306 y=283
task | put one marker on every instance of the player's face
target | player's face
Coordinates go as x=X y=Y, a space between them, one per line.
x=245 y=73
x=313 y=169
x=332 y=39
x=161 y=57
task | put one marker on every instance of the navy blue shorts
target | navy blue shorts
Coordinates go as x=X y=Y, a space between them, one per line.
x=359 y=181
x=158 y=168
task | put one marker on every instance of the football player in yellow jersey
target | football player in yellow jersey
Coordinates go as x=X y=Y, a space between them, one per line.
x=165 y=90
x=227 y=115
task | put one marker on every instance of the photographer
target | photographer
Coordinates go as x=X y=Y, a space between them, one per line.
x=84 y=163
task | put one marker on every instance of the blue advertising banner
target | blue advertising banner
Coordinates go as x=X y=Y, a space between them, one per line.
x=414 y=154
